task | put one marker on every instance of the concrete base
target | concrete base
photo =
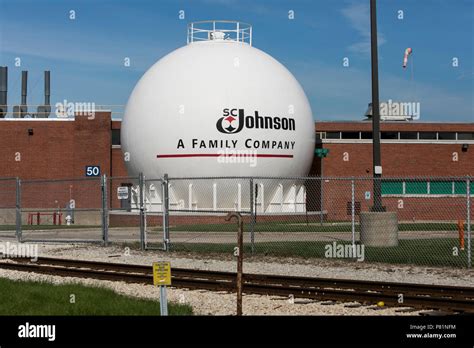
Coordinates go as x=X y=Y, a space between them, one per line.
x=379 y=229
x=8 y=216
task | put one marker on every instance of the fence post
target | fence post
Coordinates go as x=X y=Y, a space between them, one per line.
x=321 y=202
x=105 y=212
x=18 y=210
x=240 y=257
x=468 y=220
x=142 y=212
x=252 y=218
x=166 y=207
x=353 y=215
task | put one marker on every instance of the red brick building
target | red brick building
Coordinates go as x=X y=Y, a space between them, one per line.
x=59 y=148
x=409 y=149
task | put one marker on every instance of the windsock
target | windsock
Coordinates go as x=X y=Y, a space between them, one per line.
x=408 y=51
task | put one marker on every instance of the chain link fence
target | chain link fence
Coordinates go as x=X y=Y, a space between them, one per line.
x=197 y=211
x=154 y=236
x=61 y=210
x=429 y=219
x=8 y=207
x=123 y=217
x=423 y=221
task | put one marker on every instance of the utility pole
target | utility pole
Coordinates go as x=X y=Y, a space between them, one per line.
x=377 y=165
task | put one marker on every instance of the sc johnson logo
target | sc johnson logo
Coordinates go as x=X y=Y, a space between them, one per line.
x=234 y=120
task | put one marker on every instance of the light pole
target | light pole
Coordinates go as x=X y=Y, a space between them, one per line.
x=377 y=165
x=378 y=228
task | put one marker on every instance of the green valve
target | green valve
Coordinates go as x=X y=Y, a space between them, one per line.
x=321 y=152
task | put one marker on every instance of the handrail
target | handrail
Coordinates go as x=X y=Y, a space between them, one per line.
x=206 y=30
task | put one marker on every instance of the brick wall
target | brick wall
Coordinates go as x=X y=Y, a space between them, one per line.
x=401 y=159
x=398 y=159
x=57 y=149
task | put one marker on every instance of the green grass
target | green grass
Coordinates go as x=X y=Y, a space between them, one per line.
x=429 y=252
x=38 y=298
x=45 y=227
x=284 y=226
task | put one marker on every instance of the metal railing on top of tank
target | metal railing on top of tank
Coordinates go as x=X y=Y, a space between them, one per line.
x=220 y=30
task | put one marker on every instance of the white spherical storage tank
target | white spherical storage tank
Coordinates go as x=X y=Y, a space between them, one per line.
x=218 y=107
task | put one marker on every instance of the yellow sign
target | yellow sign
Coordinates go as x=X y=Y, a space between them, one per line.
x=161 y=273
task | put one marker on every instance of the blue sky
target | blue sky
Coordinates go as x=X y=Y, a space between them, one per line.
x=86 y=55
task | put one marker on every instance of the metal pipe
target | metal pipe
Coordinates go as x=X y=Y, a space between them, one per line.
x=3 y=91
x=252 y=217
x=163 y=301
x=377 y=188
x=47 y=87
x=468 y=220
x=166 y=209
x=321 y=197
x=18 y=211
x=44 y=111
x=105 y=213
x=142 y=211
x=353 y=215
x=24 y=86
x=240 y=258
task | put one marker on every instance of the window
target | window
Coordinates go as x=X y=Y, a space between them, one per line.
x=350 y=135
x=459 y=187
x=427 y=135
x=333 y=135
x=408 y=135
x=441 y=188
x=392 y=187
x=465 y=136
x=416 y=187
x=396 y=135
x=447 y=136
x=115 y=136
x=436 y=187
x=389 y=135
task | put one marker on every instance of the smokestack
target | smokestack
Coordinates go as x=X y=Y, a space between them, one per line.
x=3 y=91
x=47 y=93
x=45 y=110
x=24 y=86
x=22 y=109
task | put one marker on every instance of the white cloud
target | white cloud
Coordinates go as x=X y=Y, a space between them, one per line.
x=358 y=15
x=74 y=47
x=343 y=93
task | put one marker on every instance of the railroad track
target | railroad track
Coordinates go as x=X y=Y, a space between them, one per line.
x=418 y=296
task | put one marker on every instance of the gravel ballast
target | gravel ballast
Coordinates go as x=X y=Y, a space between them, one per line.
x=212 y=303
